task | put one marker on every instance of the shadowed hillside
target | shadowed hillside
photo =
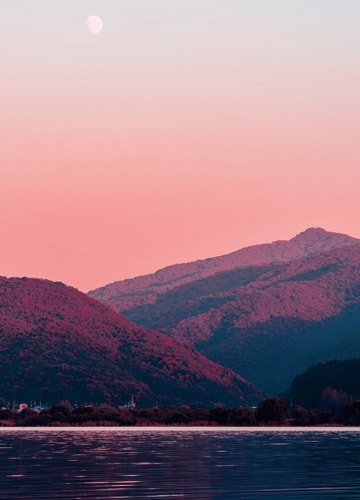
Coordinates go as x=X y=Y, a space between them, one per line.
x=334 y=378
x=272 y=321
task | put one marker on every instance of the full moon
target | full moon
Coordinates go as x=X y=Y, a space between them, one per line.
x=94 y=24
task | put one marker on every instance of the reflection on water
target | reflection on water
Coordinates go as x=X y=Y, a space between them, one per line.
x=175 y=463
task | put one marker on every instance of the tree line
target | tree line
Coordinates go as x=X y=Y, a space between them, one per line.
x=271 y=411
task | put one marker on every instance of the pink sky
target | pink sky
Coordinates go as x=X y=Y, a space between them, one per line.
x=185 y=130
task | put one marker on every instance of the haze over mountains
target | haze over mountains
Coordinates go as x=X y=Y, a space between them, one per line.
x=58 y=343
x=267 y=311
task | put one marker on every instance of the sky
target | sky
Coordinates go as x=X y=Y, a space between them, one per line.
x=186 y=129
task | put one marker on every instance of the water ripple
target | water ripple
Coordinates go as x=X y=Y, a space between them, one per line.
x=206 y=465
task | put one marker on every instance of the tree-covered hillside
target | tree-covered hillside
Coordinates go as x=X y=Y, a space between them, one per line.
x=333 y=379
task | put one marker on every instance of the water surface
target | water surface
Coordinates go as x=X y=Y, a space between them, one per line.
x=179 y=463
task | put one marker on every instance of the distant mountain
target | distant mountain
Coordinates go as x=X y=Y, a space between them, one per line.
x=126 y=294
x=299 y=305
x=57 y=343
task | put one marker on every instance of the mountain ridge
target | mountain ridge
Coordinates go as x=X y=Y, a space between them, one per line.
x=121 y=295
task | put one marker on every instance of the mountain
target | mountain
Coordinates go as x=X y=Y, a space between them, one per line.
x=126 y=294
x=299 y=305
x=58 y=343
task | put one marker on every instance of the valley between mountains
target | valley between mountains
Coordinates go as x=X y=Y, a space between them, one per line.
x=267 y=311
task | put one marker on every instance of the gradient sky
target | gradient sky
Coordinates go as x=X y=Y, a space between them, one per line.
x=186 y=129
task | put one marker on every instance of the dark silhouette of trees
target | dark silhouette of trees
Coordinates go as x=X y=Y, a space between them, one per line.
x=272 y=410
x=351 y=413
x=303 y=417
x=315 y=387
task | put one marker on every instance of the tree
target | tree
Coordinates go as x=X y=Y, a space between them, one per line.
x=219 y=414
x=352 y=413
x=302 y=416
x=333 y=400
x=243 y=416
x=272 y=410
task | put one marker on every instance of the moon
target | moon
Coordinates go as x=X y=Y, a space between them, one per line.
x=94 y=24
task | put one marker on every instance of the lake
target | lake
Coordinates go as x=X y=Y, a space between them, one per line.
x=179 y=463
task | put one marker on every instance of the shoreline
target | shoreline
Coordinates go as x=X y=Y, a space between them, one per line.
x=171 y=428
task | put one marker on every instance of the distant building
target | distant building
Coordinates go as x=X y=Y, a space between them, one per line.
x=131 y=405
x=38 y=408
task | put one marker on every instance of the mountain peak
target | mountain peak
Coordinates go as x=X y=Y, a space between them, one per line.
x=318 y=236
x=313 y=234
x=313 y=231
